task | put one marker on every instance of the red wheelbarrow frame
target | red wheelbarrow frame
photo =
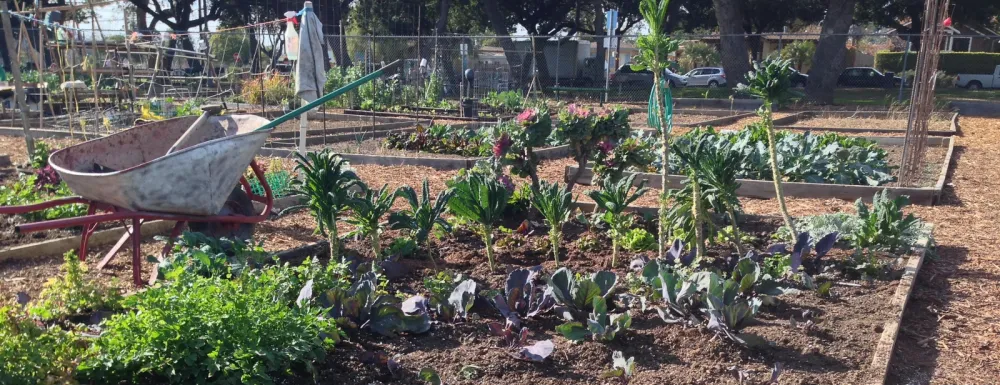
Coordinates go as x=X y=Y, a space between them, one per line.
x=112 y=213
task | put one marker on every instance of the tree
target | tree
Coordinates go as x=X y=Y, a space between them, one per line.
x=697 y=54
x=906 y=16
x=799 y=52
x=828 y=60
x=735 y=58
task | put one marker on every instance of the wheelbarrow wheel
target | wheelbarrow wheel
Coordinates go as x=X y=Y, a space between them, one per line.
x=238 y=203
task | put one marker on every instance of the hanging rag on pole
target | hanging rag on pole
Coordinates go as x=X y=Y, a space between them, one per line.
x=310 y=76
x=652 y=117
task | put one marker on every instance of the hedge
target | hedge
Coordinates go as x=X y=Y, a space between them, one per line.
x=951 y=62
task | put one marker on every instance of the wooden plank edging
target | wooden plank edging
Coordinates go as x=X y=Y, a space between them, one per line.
x=59 y=246
x=765 y=189
x=882 y=356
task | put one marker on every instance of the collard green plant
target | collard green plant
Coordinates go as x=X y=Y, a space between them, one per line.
x=423 y=215
x=770 y=80
x=884 y=226
x=367 y=210
x=72 y=293
x=218 y=331
x=601 y=326
x=34 y=354
x=481 y=200
x=613 y=198
x=556 y=205
x=575 y=295
x=326 y=182
x=363 y=306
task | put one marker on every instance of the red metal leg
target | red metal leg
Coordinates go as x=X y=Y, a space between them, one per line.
x=116 y=247
x=88 y=229
x=136 y=252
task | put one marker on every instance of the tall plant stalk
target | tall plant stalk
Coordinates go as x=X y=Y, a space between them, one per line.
x=697 y=213
x=779 y=192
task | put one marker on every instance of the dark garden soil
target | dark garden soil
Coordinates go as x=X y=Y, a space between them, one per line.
x=836 y=350
x=9 y=238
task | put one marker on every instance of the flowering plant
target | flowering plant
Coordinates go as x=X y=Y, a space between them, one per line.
x=587 y=132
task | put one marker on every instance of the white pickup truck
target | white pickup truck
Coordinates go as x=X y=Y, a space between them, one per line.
x=975 y=82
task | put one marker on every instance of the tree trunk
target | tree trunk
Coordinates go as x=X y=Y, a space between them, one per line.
x=828 y=60
x=499 y=25
x=601 y=53
x=333 y=16
x=735 y=59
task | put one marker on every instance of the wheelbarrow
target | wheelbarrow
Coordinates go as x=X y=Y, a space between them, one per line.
x=181 y=170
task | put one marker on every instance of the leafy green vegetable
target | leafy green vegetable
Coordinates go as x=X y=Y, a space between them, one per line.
x=575 y=295
x=33 y=354
x=72 y=293
x=884 y=226
x=524 y=296
x=555 y=204
x=199 y=330
x=367 y=210
x=199 y=254
x=620 y=367
x=638 y=240
x=613 y=198
x=480 y=199
x=423 y=215
x=326 y=181
x=363 y=306
x=600 y=325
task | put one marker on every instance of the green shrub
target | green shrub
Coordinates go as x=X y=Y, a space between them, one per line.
x=72 y=293
x=950 y=62
x=199 y=330
x=31 y=354
x=196 y=253
x=271 y=89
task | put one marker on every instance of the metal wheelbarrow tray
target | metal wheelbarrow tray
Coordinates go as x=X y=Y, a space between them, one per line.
x=130 y=176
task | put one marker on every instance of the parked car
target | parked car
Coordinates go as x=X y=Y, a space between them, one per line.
x=799 y=79
x=706 y=76
x=625 y=76
x=867 y=77
x=975 y=82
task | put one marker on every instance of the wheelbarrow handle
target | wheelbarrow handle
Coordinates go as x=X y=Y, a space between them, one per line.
x=325 y=98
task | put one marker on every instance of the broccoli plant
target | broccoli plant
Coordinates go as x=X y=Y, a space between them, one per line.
x=367 y=210
x=481 y=200
x=575 y=295
x=614 y=198
x=770 y=80
x=326 y=181
x=601 y=326
x=422 y=215
x=556 y=205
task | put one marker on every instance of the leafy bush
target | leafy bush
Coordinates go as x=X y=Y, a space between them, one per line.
x=434 y=89
x=72 y=293
x=40 y=157
x=505 y=102
x=338 y=77
x=210 y=330
x=269 y=89
x=199 y=254
x=31 y=354
x=481 y=200
x=695 y=53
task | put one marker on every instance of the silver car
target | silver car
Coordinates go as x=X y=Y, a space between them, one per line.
x=706 y=77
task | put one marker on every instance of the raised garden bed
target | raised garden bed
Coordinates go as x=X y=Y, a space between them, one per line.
x=695 y=117
x=940 y=150
x=372 y=151
x=424 y=115
x=941 y=124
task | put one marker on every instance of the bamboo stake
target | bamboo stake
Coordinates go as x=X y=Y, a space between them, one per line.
x=22 y=104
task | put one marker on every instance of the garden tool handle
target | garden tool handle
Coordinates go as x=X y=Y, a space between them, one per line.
x=207 y=111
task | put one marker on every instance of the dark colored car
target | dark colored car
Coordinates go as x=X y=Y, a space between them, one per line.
x=867 y=77
x=799 y=79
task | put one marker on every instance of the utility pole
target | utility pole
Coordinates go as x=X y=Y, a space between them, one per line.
x=15 y=69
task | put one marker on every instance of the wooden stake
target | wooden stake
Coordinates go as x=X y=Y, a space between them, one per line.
x=22 y=103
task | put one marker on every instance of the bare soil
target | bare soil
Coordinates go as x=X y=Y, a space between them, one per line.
x=293 y=125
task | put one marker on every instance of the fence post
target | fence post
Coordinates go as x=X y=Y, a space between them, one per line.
x=558 y=68
x=906 y=53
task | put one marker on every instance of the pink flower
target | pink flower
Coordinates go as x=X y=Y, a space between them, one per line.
x=605 y=146
x=578 y=111
x=527 y=116
x=501 y=146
